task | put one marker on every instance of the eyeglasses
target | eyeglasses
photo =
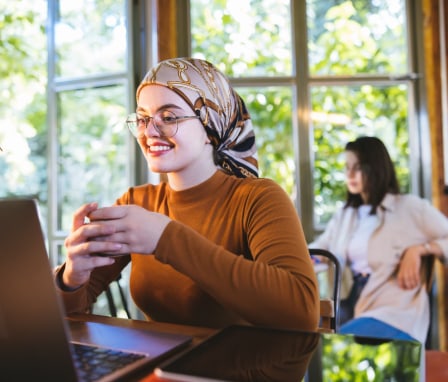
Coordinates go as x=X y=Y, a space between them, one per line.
x=165 y=122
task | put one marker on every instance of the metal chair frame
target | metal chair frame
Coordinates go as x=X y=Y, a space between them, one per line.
x=330 y=309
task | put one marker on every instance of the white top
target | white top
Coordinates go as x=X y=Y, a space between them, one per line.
x=357 y=245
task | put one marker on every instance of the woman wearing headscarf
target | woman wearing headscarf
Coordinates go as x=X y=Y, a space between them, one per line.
x=213 y=245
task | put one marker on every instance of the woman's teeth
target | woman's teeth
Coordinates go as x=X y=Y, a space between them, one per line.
x=160 y=148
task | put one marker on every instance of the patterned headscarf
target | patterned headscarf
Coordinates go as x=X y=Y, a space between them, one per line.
x=222 y=111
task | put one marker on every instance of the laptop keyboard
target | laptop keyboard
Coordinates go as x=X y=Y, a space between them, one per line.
x=93 y=363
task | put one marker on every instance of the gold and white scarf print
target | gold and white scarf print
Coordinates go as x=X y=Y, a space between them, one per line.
x=222 y=111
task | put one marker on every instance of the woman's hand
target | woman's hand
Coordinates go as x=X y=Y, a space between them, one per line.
x=116 y=230
x=134 y=228
x=408 y=276
x=81 y=244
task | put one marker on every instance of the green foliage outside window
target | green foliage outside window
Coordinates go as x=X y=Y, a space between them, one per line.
x=353 y=38
x=345 y=38
x=240 y=36
x=90 y=37
x=92 y=149
x=350 y=37
x=23 y=129
x=92 y=144
x=271 y=113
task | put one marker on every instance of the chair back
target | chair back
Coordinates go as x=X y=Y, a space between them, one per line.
x=329 y=307
x=427 y=271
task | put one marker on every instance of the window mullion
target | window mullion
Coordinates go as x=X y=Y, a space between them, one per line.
x=301 y=119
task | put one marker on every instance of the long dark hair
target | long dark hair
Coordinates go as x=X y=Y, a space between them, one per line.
x=378 y=172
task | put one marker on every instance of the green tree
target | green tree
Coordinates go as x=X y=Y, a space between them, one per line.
x=345 y=38
x=23 y=130
x=239 y=37
x=379 y=110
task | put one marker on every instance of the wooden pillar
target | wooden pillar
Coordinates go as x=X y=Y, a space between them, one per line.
x=166 y=29
x=432 y=48
x=167 y=41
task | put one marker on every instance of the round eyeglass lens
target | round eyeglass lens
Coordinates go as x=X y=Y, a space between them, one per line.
x=165 y=122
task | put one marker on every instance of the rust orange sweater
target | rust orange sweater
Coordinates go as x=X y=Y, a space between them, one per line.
x=234 y=252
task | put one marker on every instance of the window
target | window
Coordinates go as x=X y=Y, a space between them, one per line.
x=315 y=75
x=254 y=46
x=23 y=129
x=360 y=82
x=88 y=99
x=67 y=87
x=89 y=78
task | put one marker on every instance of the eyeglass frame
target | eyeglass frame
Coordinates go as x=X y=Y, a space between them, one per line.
x=154 y=124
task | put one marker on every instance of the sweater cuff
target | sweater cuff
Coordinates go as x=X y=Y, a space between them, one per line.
x=73 y=299
x=59 y=271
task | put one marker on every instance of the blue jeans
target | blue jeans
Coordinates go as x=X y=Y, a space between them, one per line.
x=371 y=327
x=347 y=306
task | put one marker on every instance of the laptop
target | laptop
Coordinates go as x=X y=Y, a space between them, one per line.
x=35 y=341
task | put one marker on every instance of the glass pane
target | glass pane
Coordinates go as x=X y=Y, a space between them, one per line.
x=357 y=37
x=90 y=37
x=60 y=251
x=271 y=110
x=93 y=149
x=243 y=38
x=341 y=114
x=23 y=127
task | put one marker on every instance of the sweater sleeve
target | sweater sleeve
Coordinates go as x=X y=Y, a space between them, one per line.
x=435 y=225
x=277 y=287
x=82 y=299
x=323 y=241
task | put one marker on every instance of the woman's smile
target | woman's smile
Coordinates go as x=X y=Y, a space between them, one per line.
x=159 y=147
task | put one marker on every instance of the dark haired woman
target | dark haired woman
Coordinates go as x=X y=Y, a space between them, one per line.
x=382 y=236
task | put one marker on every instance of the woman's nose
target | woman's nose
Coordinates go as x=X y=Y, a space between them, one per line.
x=349 y=172
x=150 y=130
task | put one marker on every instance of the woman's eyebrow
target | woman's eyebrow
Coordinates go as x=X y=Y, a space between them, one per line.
x=163 y=107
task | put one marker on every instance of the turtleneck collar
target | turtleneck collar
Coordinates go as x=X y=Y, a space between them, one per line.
x=199 y=192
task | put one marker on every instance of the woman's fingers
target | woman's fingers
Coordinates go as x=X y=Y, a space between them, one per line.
x=408 y=277
x=83 y=246
x=87 y=232
x=95 y=246
x=80 y=215
x=110 y=213
x=78 y=272
x=137 y=229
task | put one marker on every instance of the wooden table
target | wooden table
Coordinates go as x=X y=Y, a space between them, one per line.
x=436 y=362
